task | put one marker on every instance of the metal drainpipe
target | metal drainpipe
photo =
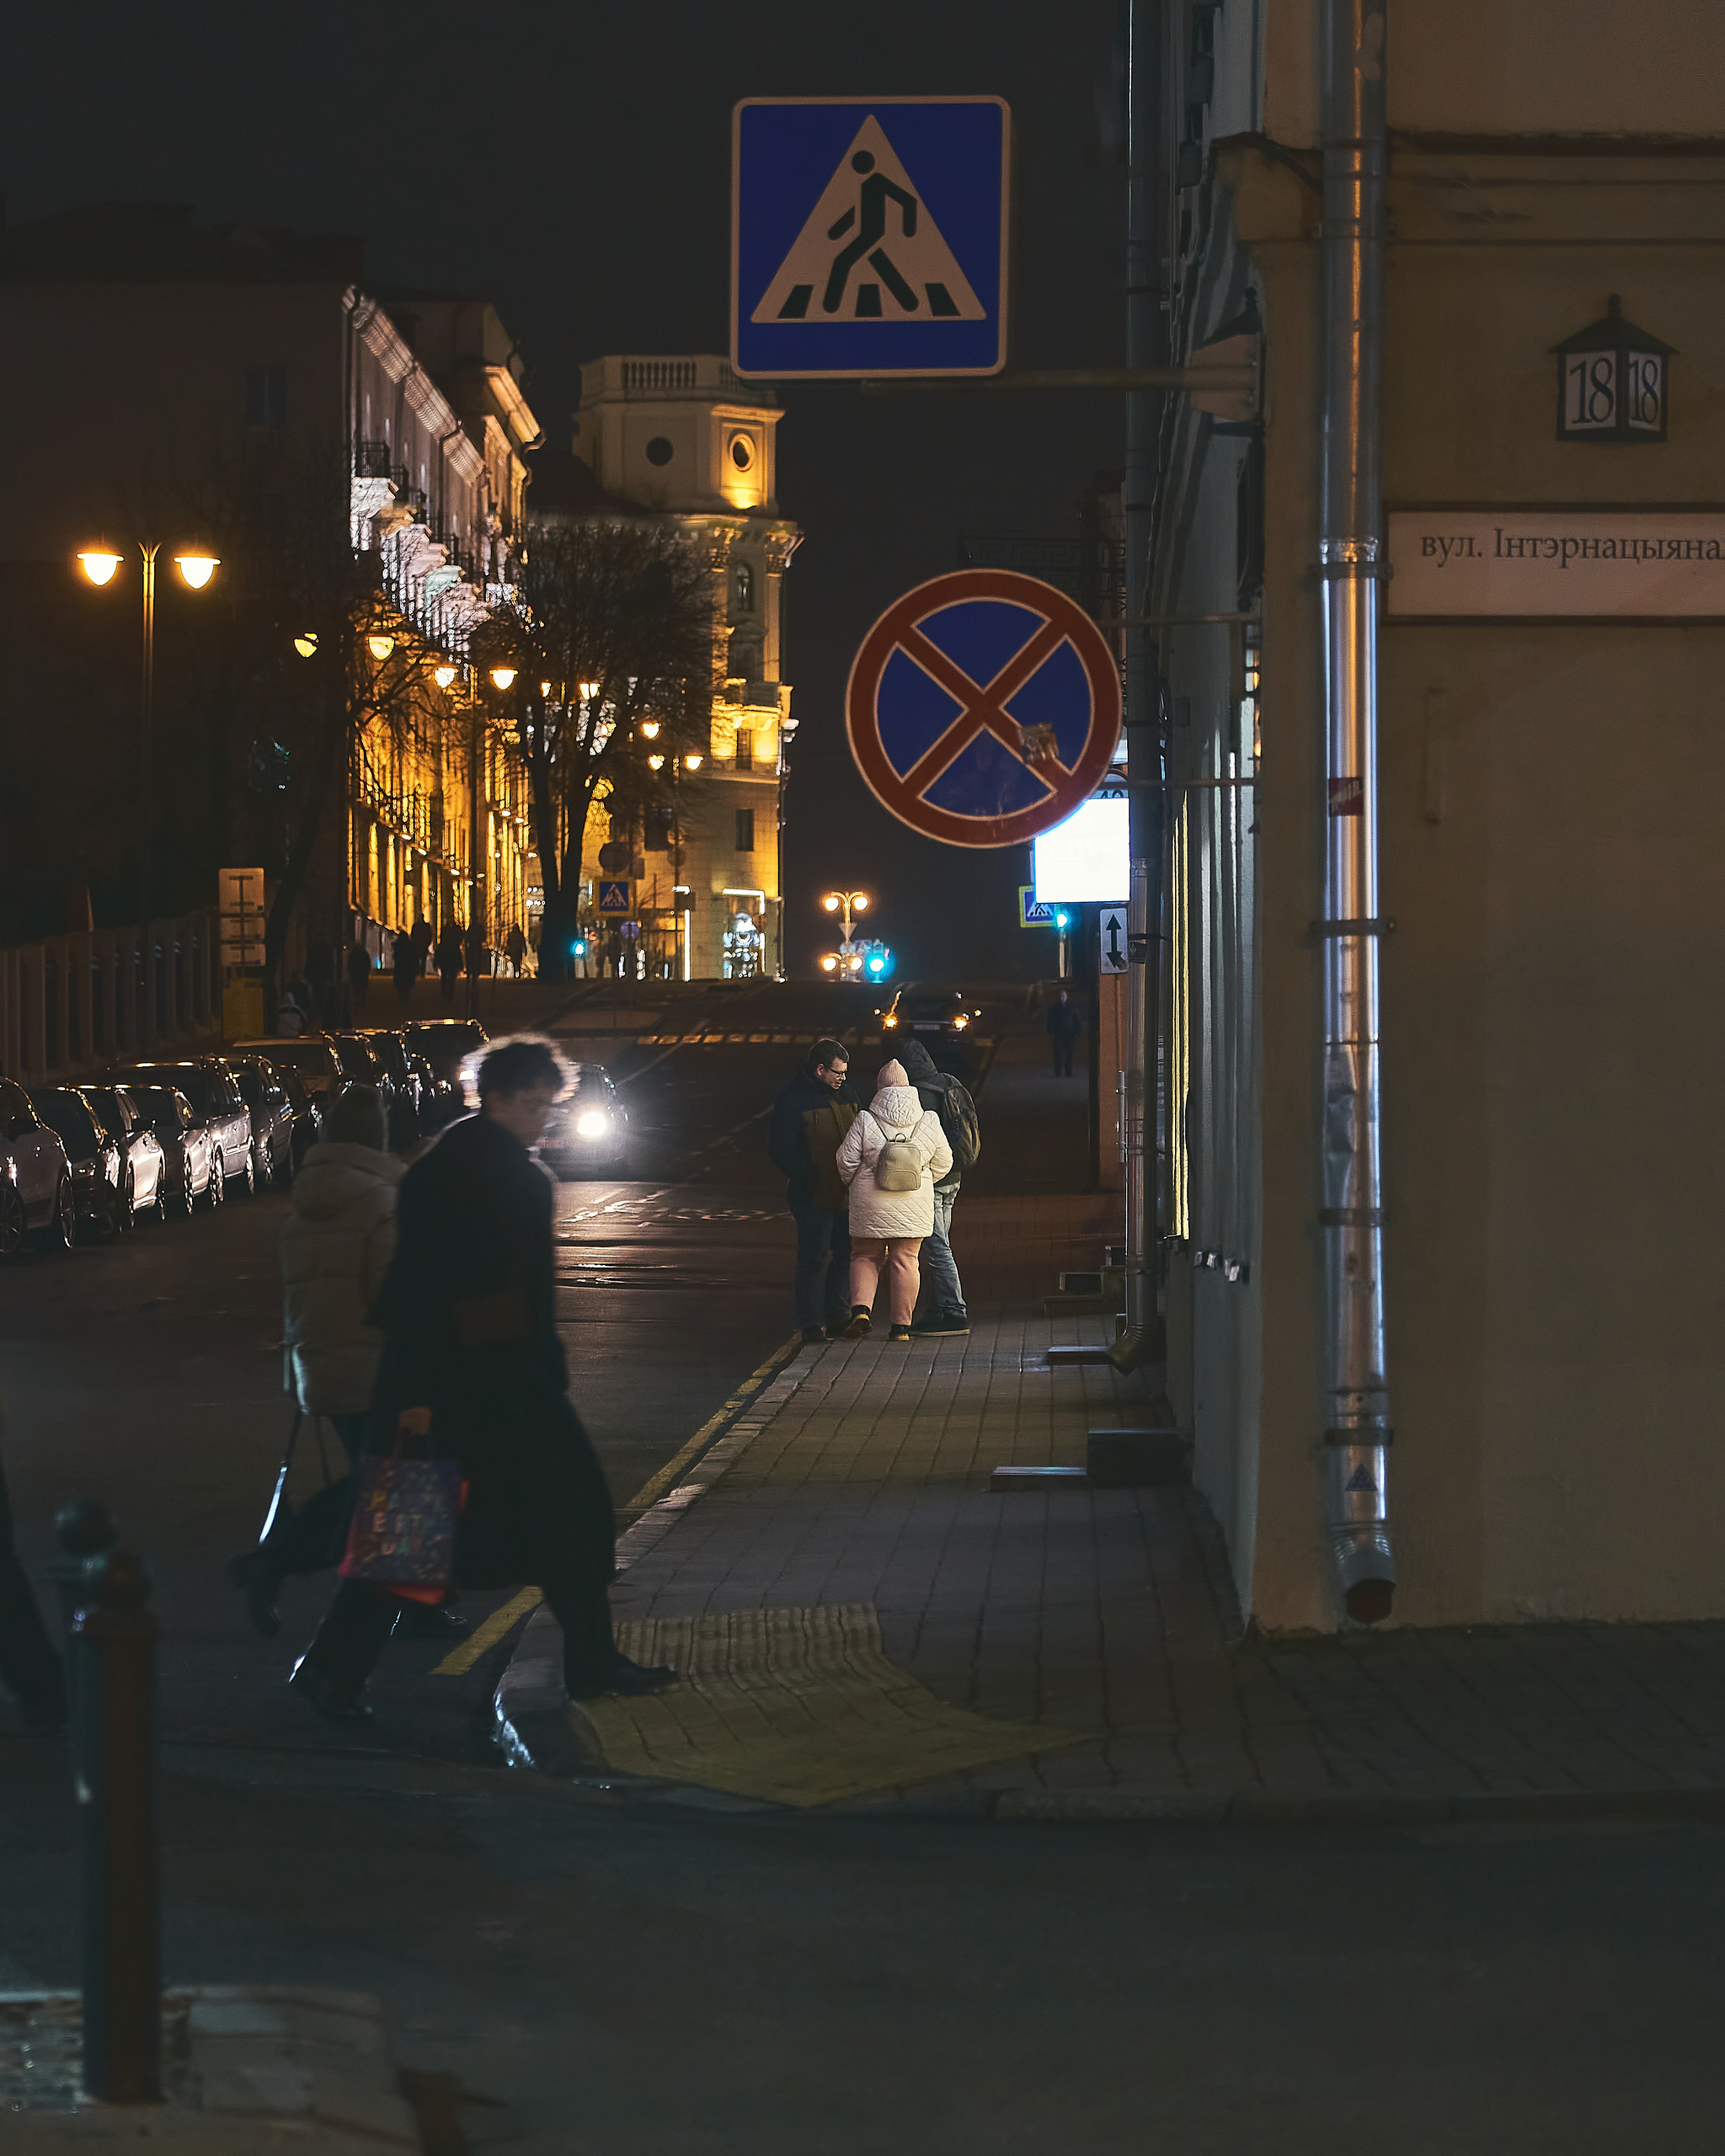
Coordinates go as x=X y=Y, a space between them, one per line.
x=1356 y=1385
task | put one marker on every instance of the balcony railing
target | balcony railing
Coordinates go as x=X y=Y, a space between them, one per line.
x=371 y=460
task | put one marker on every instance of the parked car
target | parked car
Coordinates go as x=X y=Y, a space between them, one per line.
x=266 y=1095
x=588 y=1129
x=143 y=1177
x=311 y=1057
x=308 y=1109
x=192 y=1158
x=92 y=1157
x=36 y=1194
x=208 y=1083
x=362 y=1065
x=446 y=1043
x=389 y=1045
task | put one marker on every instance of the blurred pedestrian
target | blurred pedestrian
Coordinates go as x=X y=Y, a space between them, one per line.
x=809 y=1120
x=952 y=1102
x=406 y=965
x=298 y=990
x=359 y=970
x=514 y=945
x=335 y=1252
x=449 y=959
x=477 y=953
x=1064 y=1023
x=892 y=1156
x=29 y=1668
x=474 y=1369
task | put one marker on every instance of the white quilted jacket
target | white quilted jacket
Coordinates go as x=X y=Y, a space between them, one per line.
x=892 y=1213
x=335 y=1251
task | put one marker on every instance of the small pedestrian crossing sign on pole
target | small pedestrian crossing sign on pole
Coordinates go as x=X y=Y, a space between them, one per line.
x=869 y=238
x=610 y=897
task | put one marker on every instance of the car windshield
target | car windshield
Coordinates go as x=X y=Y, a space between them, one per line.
x=313 y=1055
x=251 y=1085
x=592 y=1085
x=389 y=1052
x=930 y=1006
x=356 y=1059
x=446 y=1043
x=158 y=1105
x=103 y=1103
x=70 y=1120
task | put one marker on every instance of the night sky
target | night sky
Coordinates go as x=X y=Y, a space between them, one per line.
x=572 y=164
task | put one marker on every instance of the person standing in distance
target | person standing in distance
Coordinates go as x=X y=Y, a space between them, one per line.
x=893 y=1155
x=952 y=1102
x=474 y=1369
x=1065 y=1021
x=809 y=1120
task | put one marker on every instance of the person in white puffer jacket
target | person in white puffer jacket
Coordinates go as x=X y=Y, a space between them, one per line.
x=888 y=1222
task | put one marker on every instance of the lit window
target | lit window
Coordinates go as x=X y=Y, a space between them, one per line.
x=746 y=748
x=746 y=589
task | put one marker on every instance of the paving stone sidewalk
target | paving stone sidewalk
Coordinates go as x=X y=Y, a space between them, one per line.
x=860 y=1479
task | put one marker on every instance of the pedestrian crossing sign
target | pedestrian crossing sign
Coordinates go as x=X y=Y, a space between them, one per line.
x=610 y=897
x=1033 y=911
x=869 y=238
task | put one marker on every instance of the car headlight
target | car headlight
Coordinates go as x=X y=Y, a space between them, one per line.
x=960 y=1022
x=592 y=1123
x=889 y=1020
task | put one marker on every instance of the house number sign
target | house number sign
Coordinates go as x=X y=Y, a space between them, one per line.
x=1612 y=381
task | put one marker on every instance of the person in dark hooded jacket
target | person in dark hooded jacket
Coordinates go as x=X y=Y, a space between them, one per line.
x=943 y=1289
x=809 y=1120
x=472 y=1366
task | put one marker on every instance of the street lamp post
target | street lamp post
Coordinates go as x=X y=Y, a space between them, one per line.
x=849 y=903
x=101 y=566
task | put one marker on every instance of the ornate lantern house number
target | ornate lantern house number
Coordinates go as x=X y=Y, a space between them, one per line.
x=1612 y=382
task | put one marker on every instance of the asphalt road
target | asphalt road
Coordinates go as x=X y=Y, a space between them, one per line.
x=681 y=1981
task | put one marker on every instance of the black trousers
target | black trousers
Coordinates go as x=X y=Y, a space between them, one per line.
x=29 y=1668
x=359 y=1621
x=1063 y=1056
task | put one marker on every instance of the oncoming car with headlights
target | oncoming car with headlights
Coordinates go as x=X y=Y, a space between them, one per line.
x=944 y=1012
x=588 y=1127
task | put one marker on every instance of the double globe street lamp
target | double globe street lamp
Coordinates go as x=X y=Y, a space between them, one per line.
x=101 y=566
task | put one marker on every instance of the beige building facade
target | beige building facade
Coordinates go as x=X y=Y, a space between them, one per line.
x=1548 y=768
x=683 y=437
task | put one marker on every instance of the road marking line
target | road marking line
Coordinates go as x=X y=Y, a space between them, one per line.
x=501 y=1621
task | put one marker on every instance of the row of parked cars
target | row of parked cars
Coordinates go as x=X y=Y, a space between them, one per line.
x=159 y=1139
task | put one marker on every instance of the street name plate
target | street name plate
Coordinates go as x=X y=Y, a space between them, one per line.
x=1556 y=564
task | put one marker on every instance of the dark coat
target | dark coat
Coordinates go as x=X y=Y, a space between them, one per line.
x=1064 y=1021
x=950 y=1100
x=474 y=1220
x=787 y=1137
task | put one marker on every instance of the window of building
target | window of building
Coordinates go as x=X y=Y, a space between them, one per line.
x=746 y=589
x=266 y=397
x=746 y=830
x=746 y=748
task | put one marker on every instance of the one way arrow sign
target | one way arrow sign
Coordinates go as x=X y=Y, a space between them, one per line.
x=1114 y=943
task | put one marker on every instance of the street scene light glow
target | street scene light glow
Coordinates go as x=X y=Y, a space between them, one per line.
x=99 y=568
x=443 y=676
x=649 y=730
x=655 y=763
x=380 y=646
x=503 y=677
x=693 y=761
x=197 y=569
x=831 y=902
x=859 y=901
x=306 y=644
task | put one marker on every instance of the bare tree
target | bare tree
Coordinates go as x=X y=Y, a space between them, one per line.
x=617 y=618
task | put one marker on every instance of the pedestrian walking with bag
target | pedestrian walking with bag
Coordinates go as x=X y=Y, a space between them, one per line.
x=809 y=1120
x=336 y=1250
x=472 y=1398
x=891 y=1158
x=952 y=1102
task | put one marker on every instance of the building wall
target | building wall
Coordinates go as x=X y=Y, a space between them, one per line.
x=1550 y=1046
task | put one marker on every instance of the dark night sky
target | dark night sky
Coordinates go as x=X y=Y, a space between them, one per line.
x=573 y=163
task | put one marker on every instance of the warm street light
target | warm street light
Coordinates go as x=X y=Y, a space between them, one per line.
x=380 y=646
x=649 y=730
x=848 y=902
x=829 y=962
x=306 y=644
x=545 y=688
x=655 y=763
x=503 y=677
x=692 y=762
x=101 y=566
x=589 y=689
x=443 y=676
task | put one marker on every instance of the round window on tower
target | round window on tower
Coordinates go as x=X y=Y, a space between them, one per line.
x=742 y=451
x=659 y=450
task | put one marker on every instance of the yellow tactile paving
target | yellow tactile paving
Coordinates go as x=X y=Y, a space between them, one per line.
x=795 y=1706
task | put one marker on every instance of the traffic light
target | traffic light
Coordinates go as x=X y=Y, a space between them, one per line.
x=1063 y=919
x=578 y=949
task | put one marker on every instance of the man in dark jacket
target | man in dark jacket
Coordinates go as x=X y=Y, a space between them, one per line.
x=809 y=1120
x=952 y=1102
x=1065 y=1021
x=472 y=1366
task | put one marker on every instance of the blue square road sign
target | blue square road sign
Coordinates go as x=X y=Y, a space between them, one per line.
x=868 y=236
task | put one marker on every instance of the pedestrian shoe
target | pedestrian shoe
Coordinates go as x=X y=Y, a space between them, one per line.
x=900 y=1332
x=858 y=1329
x=626 y=1680
x=325 y=1695
x=254 y=1576
x=423 y=1620
x=813 y=1335
x=939 y=1328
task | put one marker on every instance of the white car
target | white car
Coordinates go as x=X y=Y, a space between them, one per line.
x=36 y=1194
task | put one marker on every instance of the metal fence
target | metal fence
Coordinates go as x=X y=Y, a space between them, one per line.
x=74 y=1003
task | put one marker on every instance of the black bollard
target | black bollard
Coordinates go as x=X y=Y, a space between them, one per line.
x=113 y=1697
x=87 y=1531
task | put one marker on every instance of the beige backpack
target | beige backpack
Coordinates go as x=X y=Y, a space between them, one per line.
x=897 y=1166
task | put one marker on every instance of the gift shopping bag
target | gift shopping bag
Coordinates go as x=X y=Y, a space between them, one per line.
x=403 y=1524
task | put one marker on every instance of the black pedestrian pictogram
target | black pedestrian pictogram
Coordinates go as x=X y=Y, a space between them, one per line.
x=870 y=217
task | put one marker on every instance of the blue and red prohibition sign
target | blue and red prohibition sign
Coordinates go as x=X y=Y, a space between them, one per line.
x=984 y=707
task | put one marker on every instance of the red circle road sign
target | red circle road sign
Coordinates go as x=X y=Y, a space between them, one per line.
x=984 y=707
